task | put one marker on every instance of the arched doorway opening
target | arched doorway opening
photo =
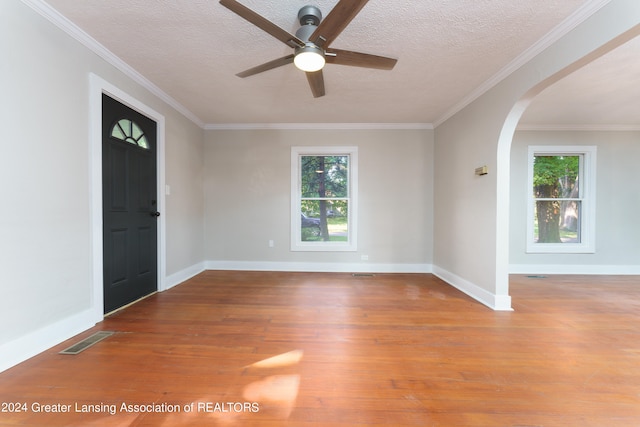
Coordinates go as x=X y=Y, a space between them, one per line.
x=512 y=123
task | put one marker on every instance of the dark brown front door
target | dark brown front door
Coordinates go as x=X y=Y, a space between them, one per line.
x=129 y=197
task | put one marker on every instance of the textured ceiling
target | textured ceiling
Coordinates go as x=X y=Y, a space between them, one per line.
x=603 y=94
x=446 y=50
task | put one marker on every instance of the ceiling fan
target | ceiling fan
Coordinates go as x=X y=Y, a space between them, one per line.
x=312 y=40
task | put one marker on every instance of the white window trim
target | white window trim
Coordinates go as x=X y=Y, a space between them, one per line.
x=296 y=243
x=588 y=193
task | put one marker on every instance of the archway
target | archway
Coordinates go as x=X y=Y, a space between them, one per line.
x=504 y=152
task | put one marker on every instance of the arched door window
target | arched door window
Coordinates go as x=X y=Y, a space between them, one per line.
x=128 y=131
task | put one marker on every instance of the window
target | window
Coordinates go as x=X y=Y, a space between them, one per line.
x=128 y=131
x=561 y=188
x=323 y=198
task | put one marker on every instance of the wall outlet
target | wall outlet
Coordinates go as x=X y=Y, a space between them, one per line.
x=271 y=243
x=364 y=257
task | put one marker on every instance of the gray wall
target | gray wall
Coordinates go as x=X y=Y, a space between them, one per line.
x=471 y=242
x=617 y=203
x=46 y=291
x=185 y=203
x=247 y=187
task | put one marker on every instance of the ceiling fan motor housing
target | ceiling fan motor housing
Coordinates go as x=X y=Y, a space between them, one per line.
x=309 y=57
x=309 y=15
x=305 y=32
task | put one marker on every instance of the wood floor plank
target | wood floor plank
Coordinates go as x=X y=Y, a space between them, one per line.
x=330 y=349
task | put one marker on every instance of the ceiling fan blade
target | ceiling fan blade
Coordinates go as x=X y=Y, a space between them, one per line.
x=358 y=59
x=316 y=83
x=267 y=66
x=262 y=23
x=336 y=21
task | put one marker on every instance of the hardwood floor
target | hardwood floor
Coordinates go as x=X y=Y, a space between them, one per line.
x=317 y=349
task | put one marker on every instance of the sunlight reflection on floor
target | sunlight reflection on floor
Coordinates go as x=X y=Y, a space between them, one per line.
x=276 y=393
x=284 y=359
x=272 y=396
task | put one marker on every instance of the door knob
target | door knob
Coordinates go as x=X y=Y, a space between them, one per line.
x=154 y=213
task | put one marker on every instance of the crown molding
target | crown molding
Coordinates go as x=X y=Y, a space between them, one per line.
x=575 y=19
x=45 y=10
x=85 y=39
x=92 y=44
x=319 y=126
x=580 y=127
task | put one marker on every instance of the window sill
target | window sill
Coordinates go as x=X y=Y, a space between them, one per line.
x=322 y=247
x=560 y=248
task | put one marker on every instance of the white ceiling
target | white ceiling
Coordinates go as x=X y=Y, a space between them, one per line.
x=447 y=51
x=604 y=94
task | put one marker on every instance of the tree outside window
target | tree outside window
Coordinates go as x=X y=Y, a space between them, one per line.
x=557 y=194
x=323 y=198
x=561 y=209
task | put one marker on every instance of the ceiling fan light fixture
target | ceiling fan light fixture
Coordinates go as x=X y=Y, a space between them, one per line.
x=310 y=41
x=309 y=58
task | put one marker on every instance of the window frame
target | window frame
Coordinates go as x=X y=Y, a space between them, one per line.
x=587 y=197
x=297 y=152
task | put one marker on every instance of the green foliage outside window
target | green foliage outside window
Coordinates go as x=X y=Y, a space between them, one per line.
x=325 y=196
x=557 y=198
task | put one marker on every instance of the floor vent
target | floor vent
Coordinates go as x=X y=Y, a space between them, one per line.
x=537 y=276
x=87 y=342
x=363 y=274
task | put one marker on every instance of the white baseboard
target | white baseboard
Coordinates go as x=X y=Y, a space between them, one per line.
x=493 y=301
x=323 y=267
x=614 y=270
x=183 y=275
x=27 y=346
